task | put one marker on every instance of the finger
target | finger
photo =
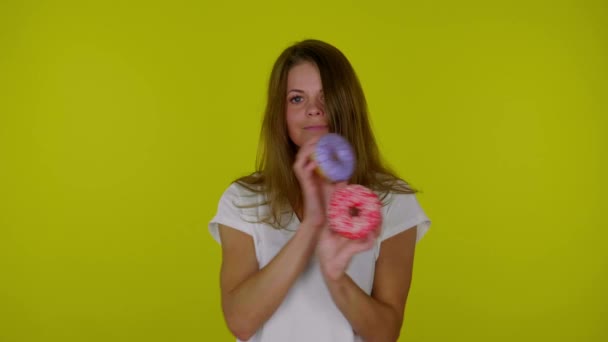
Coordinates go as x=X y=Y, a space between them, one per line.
x=304 y=153
x=376 y=233
x=302 y=165
x=303 y=156
x=329 y=188
x=310 y=166
x=336 y=240
x=309 y=176
x=328 y=191
x=342 y=243
x=340 y=185
x=308 y=148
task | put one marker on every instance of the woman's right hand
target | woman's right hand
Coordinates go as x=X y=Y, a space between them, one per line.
x=312 y=185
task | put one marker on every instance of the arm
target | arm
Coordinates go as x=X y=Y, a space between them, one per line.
x=379 y=317
x=250 y=295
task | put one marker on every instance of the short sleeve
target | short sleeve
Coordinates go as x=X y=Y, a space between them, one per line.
x=229 y=213
x=401 y=213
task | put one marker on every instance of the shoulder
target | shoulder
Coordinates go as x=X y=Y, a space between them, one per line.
x=399 y=208
x=244 y=187
x=241 y=198
x=402 y=211
x=239 y=189
x=237 y=208
x=394 y=201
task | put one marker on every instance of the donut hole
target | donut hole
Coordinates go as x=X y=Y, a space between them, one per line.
x=334 y=156
x=354 y=211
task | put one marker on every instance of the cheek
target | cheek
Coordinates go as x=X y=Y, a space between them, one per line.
x=292 y=124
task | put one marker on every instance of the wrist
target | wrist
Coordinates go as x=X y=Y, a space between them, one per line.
x=309 y=231
x=332 y=273
x=316 y=225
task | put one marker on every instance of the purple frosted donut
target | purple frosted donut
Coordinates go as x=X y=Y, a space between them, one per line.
x=335 y=157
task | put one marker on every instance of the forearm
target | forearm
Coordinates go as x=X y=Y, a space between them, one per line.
x=253 y=301
x=371 y=319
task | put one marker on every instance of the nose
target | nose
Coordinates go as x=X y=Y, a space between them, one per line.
x=315 y=109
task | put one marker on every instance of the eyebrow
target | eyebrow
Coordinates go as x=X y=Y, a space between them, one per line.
x=300 y=91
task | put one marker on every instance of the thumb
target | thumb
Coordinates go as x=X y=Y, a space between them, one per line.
x=340 y=185
x=360 y=246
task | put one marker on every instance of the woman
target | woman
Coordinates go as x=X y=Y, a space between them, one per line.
x=285 y=276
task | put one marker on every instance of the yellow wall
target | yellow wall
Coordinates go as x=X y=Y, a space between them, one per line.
x=121 y=125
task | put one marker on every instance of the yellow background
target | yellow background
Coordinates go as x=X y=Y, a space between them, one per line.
x=122 y=122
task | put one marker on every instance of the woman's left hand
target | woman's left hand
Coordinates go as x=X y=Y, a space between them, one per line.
x=335 y=251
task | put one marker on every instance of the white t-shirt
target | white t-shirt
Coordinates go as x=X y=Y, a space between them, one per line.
x=308 y=312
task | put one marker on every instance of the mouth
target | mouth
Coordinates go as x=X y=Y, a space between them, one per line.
x=316 y=128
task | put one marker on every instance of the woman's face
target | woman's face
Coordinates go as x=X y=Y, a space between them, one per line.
x=305 y=109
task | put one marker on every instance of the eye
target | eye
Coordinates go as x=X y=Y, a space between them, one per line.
x=296 y=99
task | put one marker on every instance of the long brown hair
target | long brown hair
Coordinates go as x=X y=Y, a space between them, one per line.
x=346 y=108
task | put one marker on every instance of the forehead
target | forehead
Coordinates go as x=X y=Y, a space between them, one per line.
x=304 y=74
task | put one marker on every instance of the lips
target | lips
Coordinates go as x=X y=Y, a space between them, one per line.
x=316 y=127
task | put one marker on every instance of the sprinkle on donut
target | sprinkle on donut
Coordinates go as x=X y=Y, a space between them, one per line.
x=354 y=211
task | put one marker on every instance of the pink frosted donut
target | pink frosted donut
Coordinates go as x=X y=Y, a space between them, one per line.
x=354 y=211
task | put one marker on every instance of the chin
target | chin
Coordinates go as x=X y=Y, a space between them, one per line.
x=312 y=134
